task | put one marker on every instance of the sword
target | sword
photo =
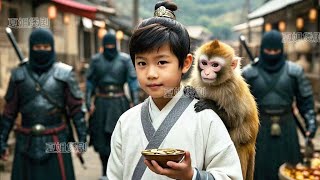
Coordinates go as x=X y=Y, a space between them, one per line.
x=243 y=42
x=23 y=60
x=15 y=45
x=72 y=139
x=308 y=152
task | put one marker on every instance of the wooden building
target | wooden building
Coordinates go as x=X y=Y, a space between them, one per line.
x=77 y=25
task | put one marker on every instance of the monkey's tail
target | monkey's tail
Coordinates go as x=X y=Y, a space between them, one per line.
x=250 y=167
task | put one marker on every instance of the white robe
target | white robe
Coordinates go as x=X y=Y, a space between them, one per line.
x=203 y=134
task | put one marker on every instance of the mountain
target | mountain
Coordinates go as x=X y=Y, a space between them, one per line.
x=218 y=16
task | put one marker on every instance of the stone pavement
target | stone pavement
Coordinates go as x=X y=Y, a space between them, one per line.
x=92 y=161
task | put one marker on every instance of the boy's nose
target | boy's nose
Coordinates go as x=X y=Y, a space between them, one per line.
x=152 y=73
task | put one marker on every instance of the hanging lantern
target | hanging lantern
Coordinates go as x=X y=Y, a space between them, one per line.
x=282 y=26
x=267 y=27
x=299 y=23
x=101 y=32
x=52 y=12
x=313 y=15
x=66 y=19
x=119 y=35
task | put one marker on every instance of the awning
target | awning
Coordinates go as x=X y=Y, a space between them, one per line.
x=270 y=7
x=252 y=23
x=87 y=10
x=120 y=23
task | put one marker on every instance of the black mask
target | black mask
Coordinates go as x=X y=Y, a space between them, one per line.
x=271 y=40
x=109 y=53
x=41 y=60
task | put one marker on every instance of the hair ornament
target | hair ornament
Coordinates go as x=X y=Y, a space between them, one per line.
x=164 y=12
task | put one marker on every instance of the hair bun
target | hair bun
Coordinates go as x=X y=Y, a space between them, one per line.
x=167 y=4
x=165 y=9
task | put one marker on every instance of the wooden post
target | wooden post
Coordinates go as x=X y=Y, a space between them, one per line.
x=248 y=21
x=135 y=13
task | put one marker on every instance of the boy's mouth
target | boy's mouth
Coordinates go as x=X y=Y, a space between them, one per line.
x=154 y=85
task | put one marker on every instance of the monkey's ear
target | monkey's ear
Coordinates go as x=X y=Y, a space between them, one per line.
x=215 y=44
x=235 y=62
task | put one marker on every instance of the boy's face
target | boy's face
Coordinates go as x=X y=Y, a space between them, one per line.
x=158 y=70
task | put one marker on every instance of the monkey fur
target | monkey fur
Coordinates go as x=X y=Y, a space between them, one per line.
x=217 y=80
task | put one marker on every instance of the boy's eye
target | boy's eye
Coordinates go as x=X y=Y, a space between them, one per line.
x=162 y=62
x=141 y=63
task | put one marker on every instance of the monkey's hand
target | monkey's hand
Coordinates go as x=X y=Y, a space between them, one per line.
x=191 y=92
x=203 y=104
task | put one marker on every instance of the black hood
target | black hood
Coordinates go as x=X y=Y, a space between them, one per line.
x=41 y=60
x=109 y=53
x=272 y=40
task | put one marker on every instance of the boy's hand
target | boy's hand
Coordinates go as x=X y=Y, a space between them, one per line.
x=182 y=171
x=5 y=155
x=92 y=109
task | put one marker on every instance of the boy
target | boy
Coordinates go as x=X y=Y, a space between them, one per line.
x=159 y=49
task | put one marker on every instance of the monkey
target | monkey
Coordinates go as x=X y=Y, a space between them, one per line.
x=217 y=81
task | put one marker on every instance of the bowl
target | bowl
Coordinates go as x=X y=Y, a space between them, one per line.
x=162 y=156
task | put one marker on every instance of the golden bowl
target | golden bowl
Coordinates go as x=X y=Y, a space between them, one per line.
x=162 y=156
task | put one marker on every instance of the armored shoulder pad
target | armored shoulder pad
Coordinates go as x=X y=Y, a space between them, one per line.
x=294 y=69
x=249 y=72
x=64 y=72
x=18 y=74
x=96 y=57
x=125 y=56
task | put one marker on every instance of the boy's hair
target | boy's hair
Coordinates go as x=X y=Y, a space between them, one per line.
x=154 y=32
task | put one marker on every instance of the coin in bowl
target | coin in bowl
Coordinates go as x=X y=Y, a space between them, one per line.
x=162 y=156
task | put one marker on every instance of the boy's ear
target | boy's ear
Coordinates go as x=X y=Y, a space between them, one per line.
x=187 y=63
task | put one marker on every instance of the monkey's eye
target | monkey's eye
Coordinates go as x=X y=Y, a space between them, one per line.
x=204 y=63
x=215 y=65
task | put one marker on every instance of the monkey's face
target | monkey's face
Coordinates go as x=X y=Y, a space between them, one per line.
x=212 y=70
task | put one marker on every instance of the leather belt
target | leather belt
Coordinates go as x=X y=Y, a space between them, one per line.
x=110 y=95
x=39 y=129
x=109 y=88
x=274 y=110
